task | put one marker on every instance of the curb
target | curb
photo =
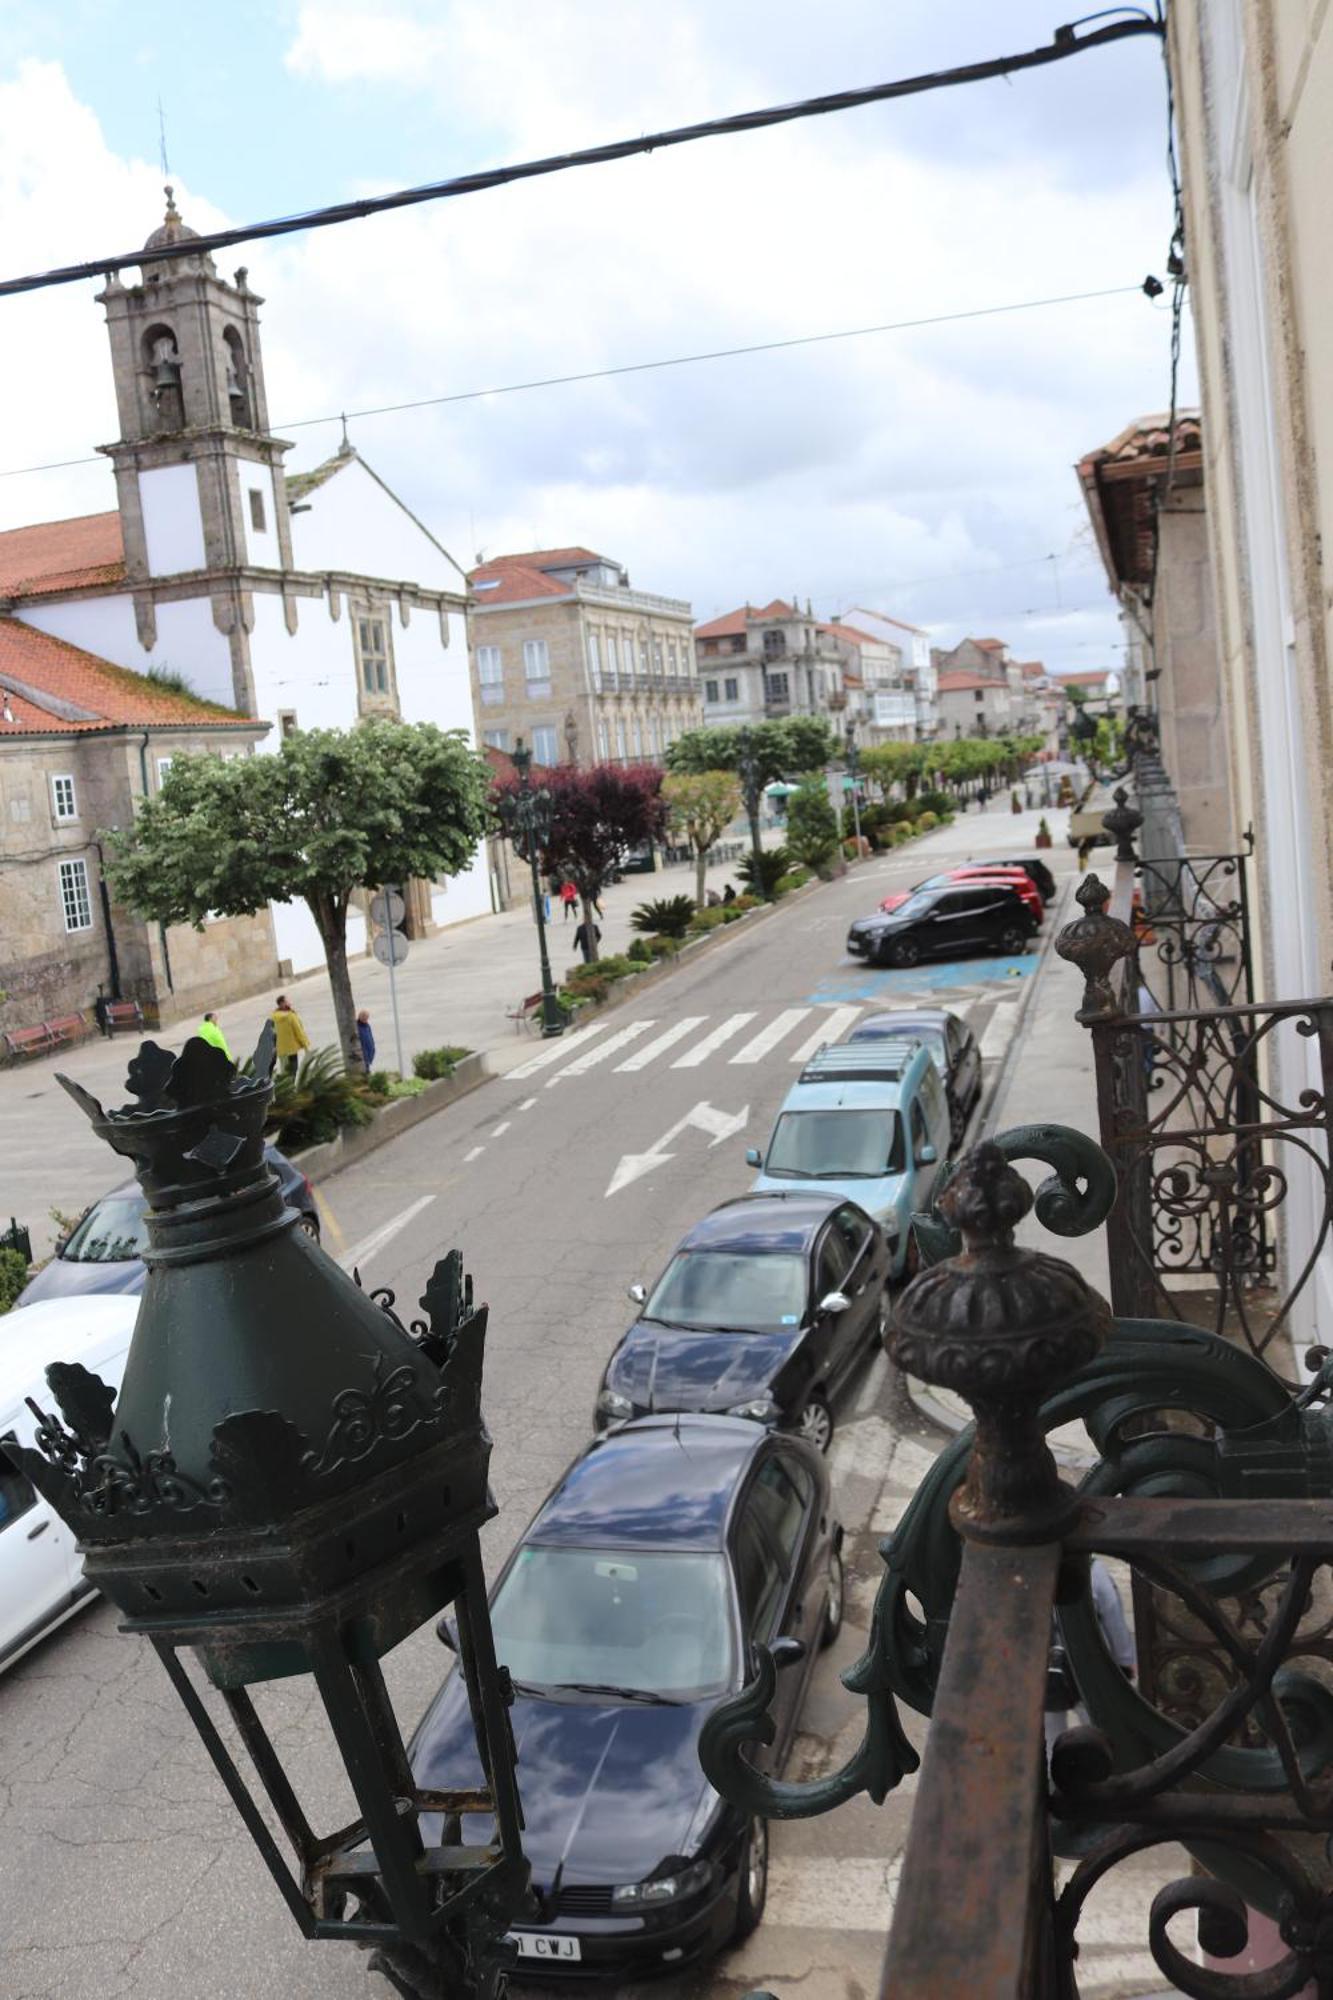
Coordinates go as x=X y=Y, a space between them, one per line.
x=320 y=1163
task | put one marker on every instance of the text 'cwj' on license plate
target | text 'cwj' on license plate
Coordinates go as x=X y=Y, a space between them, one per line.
x=531 y=1944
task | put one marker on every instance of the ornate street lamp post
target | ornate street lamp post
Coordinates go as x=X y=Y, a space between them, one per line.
x=853 y=762
x=529 y=817
x=289 y=1483
x=749 y=769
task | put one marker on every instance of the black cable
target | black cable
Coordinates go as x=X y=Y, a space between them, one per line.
x=1063 y=44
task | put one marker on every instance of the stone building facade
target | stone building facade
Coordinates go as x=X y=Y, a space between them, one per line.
x=569 y=656
x=761 y=663
x=80 y=744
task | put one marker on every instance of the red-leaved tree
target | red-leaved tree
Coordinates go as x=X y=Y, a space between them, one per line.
x=598 y=814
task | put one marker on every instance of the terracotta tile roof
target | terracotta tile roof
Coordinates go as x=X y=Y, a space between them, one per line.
x=1149 y=437
x=989 y=645
x=733 y=622
x=513 y=579
x=1081 y=680
x=53 y=686
x=62 y=555
x=850 y=636
x=956 y=682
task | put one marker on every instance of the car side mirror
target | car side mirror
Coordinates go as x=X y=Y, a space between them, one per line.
x=638 y=1294
x=834 y=1302
x=753 y=1157
x=787 y=1651
x=927 y=1156
x=447 y=1633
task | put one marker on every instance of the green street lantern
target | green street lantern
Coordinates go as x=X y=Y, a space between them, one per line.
x=526 y=815
x=290 y=1482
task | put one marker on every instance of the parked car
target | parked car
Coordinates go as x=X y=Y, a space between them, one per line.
x=952 y=1047
x=41 y=1572
x=764 y=1311
x=1032 y=865
x=630 y=1609
x=869 y=1123
x=1017 y=879
x=958 y=920
x=104 y=1250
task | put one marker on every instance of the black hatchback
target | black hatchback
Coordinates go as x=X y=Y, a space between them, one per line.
x=631 y=1608
x=957 y=920
x=765 y=1311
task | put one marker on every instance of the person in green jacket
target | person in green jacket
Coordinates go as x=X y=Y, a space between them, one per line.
x=209 y=1031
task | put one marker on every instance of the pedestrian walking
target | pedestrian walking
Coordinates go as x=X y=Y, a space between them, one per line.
x=209 y=1031
x=290 y=1031
x=366 y=1039
x=569 y=897
x=587 y=938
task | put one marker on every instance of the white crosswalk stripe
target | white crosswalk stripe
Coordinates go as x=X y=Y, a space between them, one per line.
x=833 y=1025
x=768 y=1038
x=710 y=1043
x=555 y=1050
x=659 y=1046
x=591 y=1057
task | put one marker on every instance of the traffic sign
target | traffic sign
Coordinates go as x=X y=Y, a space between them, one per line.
x=389 y=947
x=386 y=910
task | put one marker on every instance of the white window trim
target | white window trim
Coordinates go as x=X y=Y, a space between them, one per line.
x=163 y=766
x=59 y=778
x=74 y=871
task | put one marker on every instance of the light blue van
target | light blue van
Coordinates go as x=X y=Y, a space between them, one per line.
x=866 y=1120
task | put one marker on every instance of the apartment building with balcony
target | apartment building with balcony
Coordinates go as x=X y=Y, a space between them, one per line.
x=917 y=662
x=759 y=664
x=878 y=684
x=568 y=655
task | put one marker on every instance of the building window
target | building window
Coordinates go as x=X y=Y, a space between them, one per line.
x=671 y=656
x=620 y=741
x=731 y=690
x=654 y=741
x=775 y=644
x=643 y=658
x=626 y=653
x=638 y=737
x=710 y=690
x=738 y=643
x=75 y=902
x=537 y=669
x=257 y=521
x=595 y=658
x=979 y=696
x=495 y=739
x=372 y=650
x=163 y=766
x=603 y=742
x=545 y=741
x=286 y=723
x=709 y=645
x=490 y=676
x=63 y=803
x=778 y=687
x=657 y=656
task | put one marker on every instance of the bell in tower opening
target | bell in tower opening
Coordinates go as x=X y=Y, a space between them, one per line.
x=238 y=393
x=163 y=366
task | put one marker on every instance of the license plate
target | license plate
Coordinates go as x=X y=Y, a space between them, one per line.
x=536 y=1944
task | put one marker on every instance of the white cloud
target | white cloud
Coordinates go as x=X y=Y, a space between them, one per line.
x=363 y=45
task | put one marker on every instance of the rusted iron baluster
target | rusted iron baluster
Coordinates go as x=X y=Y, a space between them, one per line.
x=1003 y=1327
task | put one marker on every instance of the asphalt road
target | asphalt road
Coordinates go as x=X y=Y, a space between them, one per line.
x=125 y=1870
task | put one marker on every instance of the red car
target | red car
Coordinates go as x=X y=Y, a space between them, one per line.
x=1016 y=879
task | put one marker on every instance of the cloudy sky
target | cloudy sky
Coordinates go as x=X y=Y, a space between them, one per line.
x=926 y=471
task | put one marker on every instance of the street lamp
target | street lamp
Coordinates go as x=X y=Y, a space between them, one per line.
x=749 y=769
x=290 y=1483
x=527 y=814
x=853 y=762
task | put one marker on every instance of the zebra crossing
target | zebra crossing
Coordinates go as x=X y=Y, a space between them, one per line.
x=739 y=1040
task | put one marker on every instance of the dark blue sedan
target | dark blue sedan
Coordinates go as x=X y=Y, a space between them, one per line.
x=629 y=1610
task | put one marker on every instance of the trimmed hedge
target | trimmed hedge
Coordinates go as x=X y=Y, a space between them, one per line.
x=431 y=1064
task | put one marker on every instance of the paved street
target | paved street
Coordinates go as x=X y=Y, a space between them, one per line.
x=126 y=1871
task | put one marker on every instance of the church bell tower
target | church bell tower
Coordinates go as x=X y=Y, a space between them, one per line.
x=198 y=472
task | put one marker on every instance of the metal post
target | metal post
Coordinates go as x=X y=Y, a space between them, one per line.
x=393 y=988
x=526 y=814
x=853 y=765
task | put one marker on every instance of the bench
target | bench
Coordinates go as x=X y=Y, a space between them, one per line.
x=29 y=1041
x=67 y=1028
x=122 y=1014
x=526 y=1012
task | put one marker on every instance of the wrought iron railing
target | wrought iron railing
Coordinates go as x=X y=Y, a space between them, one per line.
x=1207 y=1477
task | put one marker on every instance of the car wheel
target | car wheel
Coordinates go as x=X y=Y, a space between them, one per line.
x=310 y=1224
x=1013 y=940
x=754 y=1881
x=904 y=951
x=837 y=1598
x=815 y=1423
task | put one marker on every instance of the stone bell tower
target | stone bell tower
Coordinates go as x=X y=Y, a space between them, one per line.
x=198 y=472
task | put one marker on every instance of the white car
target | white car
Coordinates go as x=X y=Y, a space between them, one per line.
x=41 y=1573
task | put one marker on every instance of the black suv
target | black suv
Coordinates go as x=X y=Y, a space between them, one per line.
x=956 y=920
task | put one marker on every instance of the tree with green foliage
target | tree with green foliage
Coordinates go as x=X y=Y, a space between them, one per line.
x=759 y=754
x=329 y=812
x=702 y=805
x=813 y=832
x=897 y=763
x=598 y=814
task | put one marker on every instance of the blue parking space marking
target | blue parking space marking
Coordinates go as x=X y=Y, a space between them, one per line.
x=862 y=982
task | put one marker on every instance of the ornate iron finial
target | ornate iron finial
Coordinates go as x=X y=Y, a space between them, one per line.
x=1002 y=1327
x=1094 y=943
x=1122 y=823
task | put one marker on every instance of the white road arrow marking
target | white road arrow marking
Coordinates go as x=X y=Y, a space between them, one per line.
x=719 y=1125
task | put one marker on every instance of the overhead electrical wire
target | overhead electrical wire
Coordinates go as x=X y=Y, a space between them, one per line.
x=640 y=368
x=1064 y=43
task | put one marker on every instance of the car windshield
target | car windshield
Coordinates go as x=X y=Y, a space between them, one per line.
x=111 y=1233
x=736 y=1291
x=651 y=1623
x=915 y=906
x=836 y=1145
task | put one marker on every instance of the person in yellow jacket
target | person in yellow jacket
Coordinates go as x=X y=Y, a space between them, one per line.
x=290 y=1031
x=209 y=1031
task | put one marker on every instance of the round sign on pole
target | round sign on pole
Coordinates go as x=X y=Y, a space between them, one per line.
x=389 y=947
x=386 y=910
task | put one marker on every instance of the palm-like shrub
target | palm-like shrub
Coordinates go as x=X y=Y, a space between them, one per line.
x=773 y=863
x=665 y=916
x=318 y=1101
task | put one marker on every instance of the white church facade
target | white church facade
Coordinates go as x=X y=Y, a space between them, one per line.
x=307 y=600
